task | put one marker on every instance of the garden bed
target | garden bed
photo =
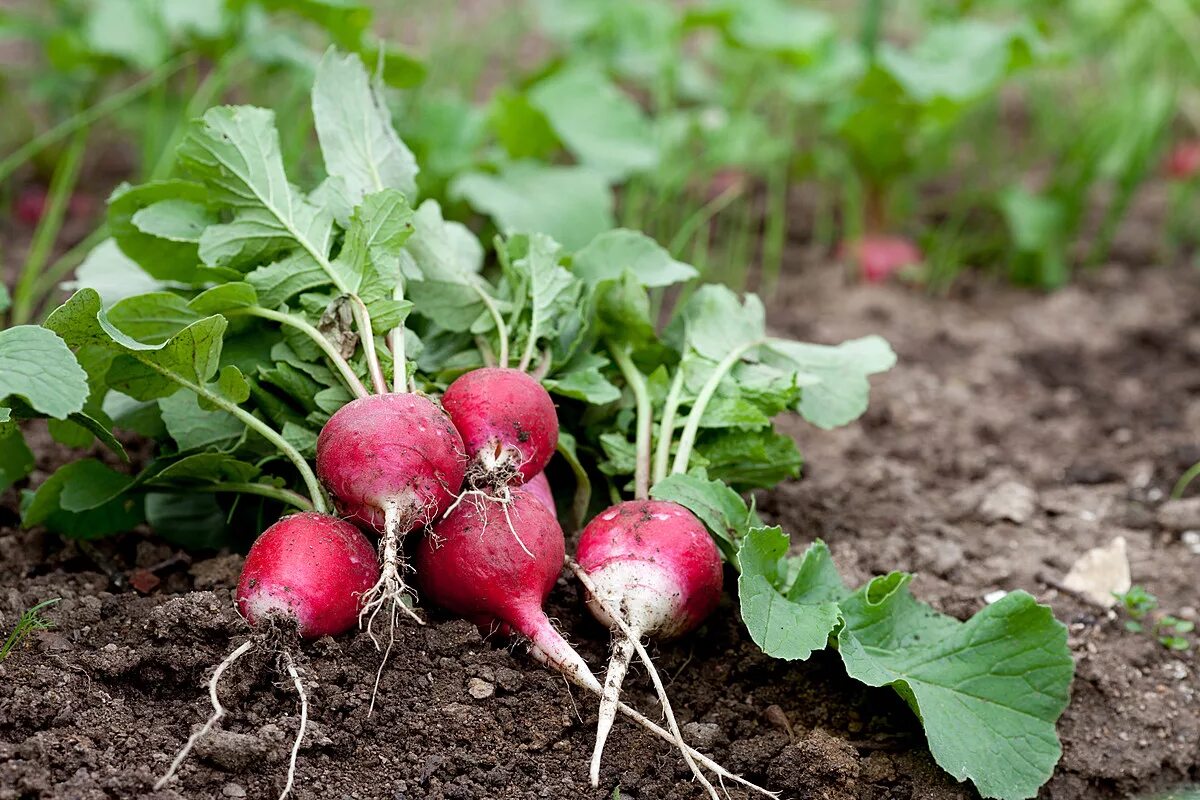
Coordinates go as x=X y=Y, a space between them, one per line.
x=1086 y=398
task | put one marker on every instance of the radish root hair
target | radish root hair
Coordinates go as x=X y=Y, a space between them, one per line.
x=291 y=775
x=633 y=637
x=503 y=498
x=218 y=712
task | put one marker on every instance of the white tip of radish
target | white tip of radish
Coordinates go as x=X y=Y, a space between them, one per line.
x=647 y=594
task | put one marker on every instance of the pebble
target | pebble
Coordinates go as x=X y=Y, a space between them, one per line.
x=1191 y=540
x=1180 y=515
x=701 y=735
x=1011 y=501
x=480 y=689
x=995 y=596
x=233 y=790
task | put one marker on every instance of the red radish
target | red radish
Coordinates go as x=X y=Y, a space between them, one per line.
x=307 y=571
x=394 y=462
x=310 y=568
x=508 y=423
x=539 y=487
x=470 y=565
x=878 y=257
x=30 y=205
x=656 y=565
x=1183 y=162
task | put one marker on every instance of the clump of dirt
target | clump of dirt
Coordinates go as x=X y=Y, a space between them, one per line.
x=1015 y=433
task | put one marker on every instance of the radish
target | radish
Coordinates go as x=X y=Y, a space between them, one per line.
x=539 y=487
x=306 y=573
x=508 y=424
x=475 y=571
x=394 y=462
x=656 y=565
x=878 y=257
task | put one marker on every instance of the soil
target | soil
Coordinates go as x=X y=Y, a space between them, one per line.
x=1087 y=400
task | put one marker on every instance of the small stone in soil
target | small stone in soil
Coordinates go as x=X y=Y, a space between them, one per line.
x=233 y=790
x=480 y=689
x=1011 y=501
x=1180 y=515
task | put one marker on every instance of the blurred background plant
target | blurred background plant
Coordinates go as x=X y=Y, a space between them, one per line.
x=923 y=138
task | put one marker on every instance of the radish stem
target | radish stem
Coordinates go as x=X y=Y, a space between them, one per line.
x=688 y=439
x=645 y=418
x=362 y=319
x=218 y=712
x=261 y=428
x=666 y=428
x=396 y=340
x=286 y=496
x=501 y=328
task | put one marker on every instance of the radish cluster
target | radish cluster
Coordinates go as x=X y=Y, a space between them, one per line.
x=469 y=470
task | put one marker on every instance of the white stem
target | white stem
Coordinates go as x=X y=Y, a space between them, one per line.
x=613 y=678
x=218 y=712
x=291 y=775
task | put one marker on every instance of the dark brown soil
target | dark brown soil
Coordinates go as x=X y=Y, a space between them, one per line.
x=1089 y=397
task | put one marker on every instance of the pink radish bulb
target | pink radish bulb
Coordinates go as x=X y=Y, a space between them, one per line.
x=311 y=568
x=473 y=565
x=397 y=452
x=539 y=487
x=507 y=421
x=394 y=462
x=656 y=564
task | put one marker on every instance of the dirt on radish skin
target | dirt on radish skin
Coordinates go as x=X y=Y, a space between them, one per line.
x=391 y=451
x=508 y=424
x=310 y=567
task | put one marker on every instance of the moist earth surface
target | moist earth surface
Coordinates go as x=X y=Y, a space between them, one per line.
x=1016 y=432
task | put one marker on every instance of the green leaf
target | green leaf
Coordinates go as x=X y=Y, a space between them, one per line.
x=204 y=468
x=988 y=690
x=715 y=322
x=570 y=204
x=112 y=274
x=193 y=427
x=38 y=367
x=521 y=129
x=354 y=126
x=792 y=625
x=95 y=489
x=142 y=371
x=551 y=290
x=189 y=520
x=748 y=458
x=130 y=30
x=152 y=318
x=370 y=257
x=603 y=128
x=779 y=27
x=282 y=280
x=301 y=438
x=16 y=460
x=622 y=250
x=720 y=508
x=588 y=385
x=834 y=389
x=223 y=297
x=179 y=209
x=235 y=149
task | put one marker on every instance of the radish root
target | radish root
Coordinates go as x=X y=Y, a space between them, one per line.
x=218 y=712
x=617 y=666
x=291 y=775
x=613 y=687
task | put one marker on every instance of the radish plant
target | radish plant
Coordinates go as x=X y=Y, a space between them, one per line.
x=322 y=326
